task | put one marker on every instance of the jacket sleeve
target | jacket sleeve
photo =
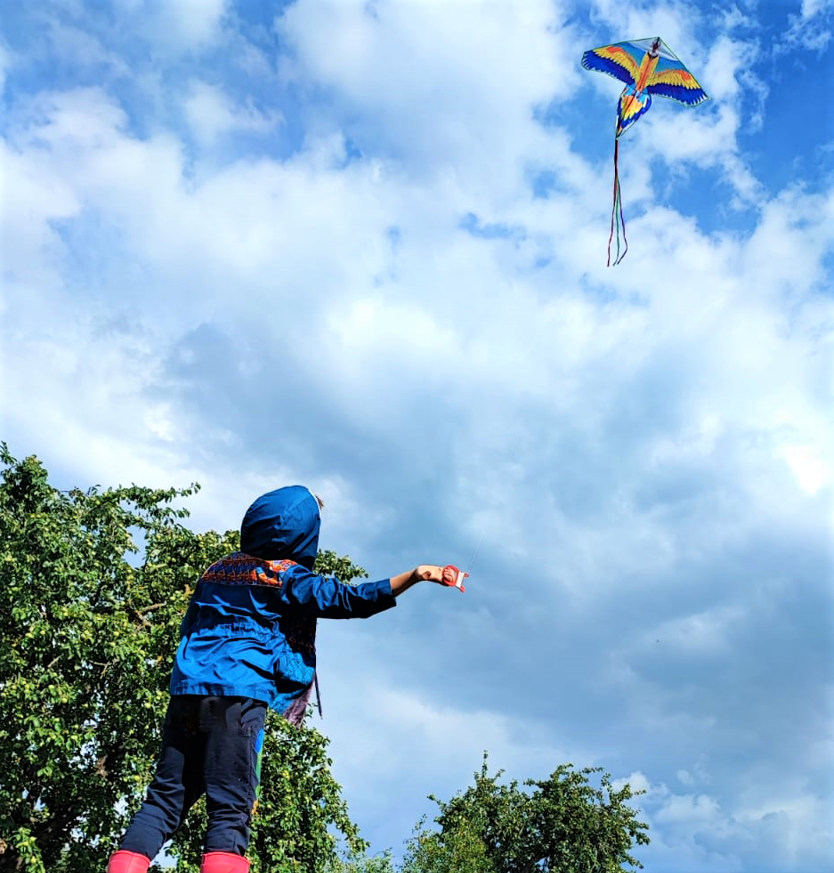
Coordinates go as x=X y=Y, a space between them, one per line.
x=326 y=597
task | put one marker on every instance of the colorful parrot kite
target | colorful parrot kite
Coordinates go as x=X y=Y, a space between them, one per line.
x=647 y=66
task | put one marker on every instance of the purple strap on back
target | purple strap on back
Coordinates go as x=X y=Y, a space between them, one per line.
x=296 y=711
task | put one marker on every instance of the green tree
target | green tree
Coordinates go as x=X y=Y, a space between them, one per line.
x=94 y=585
x=563 y=825
x=362 y=863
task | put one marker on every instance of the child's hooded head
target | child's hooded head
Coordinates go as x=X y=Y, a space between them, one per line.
x=283 y=525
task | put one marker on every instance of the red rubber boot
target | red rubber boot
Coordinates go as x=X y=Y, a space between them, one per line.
x=224 y=862
x=128 y=862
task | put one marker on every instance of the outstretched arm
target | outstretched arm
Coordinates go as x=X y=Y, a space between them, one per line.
x=423 y=573
x=326 y=597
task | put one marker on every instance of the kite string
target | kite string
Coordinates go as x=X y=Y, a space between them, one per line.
x=475 y=553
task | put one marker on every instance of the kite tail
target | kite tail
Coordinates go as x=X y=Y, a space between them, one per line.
x=617 y=220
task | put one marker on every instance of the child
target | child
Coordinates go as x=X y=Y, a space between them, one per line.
x=247 y=644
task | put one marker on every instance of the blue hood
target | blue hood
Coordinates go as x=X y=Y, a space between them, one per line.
x=283 y=525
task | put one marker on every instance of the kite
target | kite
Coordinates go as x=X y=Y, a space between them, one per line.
x=648 y=67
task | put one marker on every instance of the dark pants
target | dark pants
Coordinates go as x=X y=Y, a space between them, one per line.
x=211 y=746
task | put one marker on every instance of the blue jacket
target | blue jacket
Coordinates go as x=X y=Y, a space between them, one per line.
x=250 y=628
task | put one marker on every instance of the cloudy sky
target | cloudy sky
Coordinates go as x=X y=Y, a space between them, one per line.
x=361 y=245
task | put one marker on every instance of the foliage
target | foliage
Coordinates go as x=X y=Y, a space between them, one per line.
x=328 y=563
x=564 y=825
x=94 y=585
x=359 y=863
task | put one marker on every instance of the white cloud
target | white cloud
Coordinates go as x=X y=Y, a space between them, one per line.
x=811 y=471
x=693 y=829
x=704 y=632
x=689 y=810
x=173 y=27
x=685 y=777
x=448 y=87
x=212 y=113
x=193 y=22
x=810 y=30
x=676 y=23
x=73 y=44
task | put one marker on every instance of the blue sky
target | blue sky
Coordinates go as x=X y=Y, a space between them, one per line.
x=362 y=246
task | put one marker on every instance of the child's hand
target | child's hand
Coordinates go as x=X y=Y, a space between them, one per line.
x=447 y=575
x=454 y=577
x=430 y=573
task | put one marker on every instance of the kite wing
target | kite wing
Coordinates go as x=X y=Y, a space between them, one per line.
x=672 y=79
x=620 y=60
